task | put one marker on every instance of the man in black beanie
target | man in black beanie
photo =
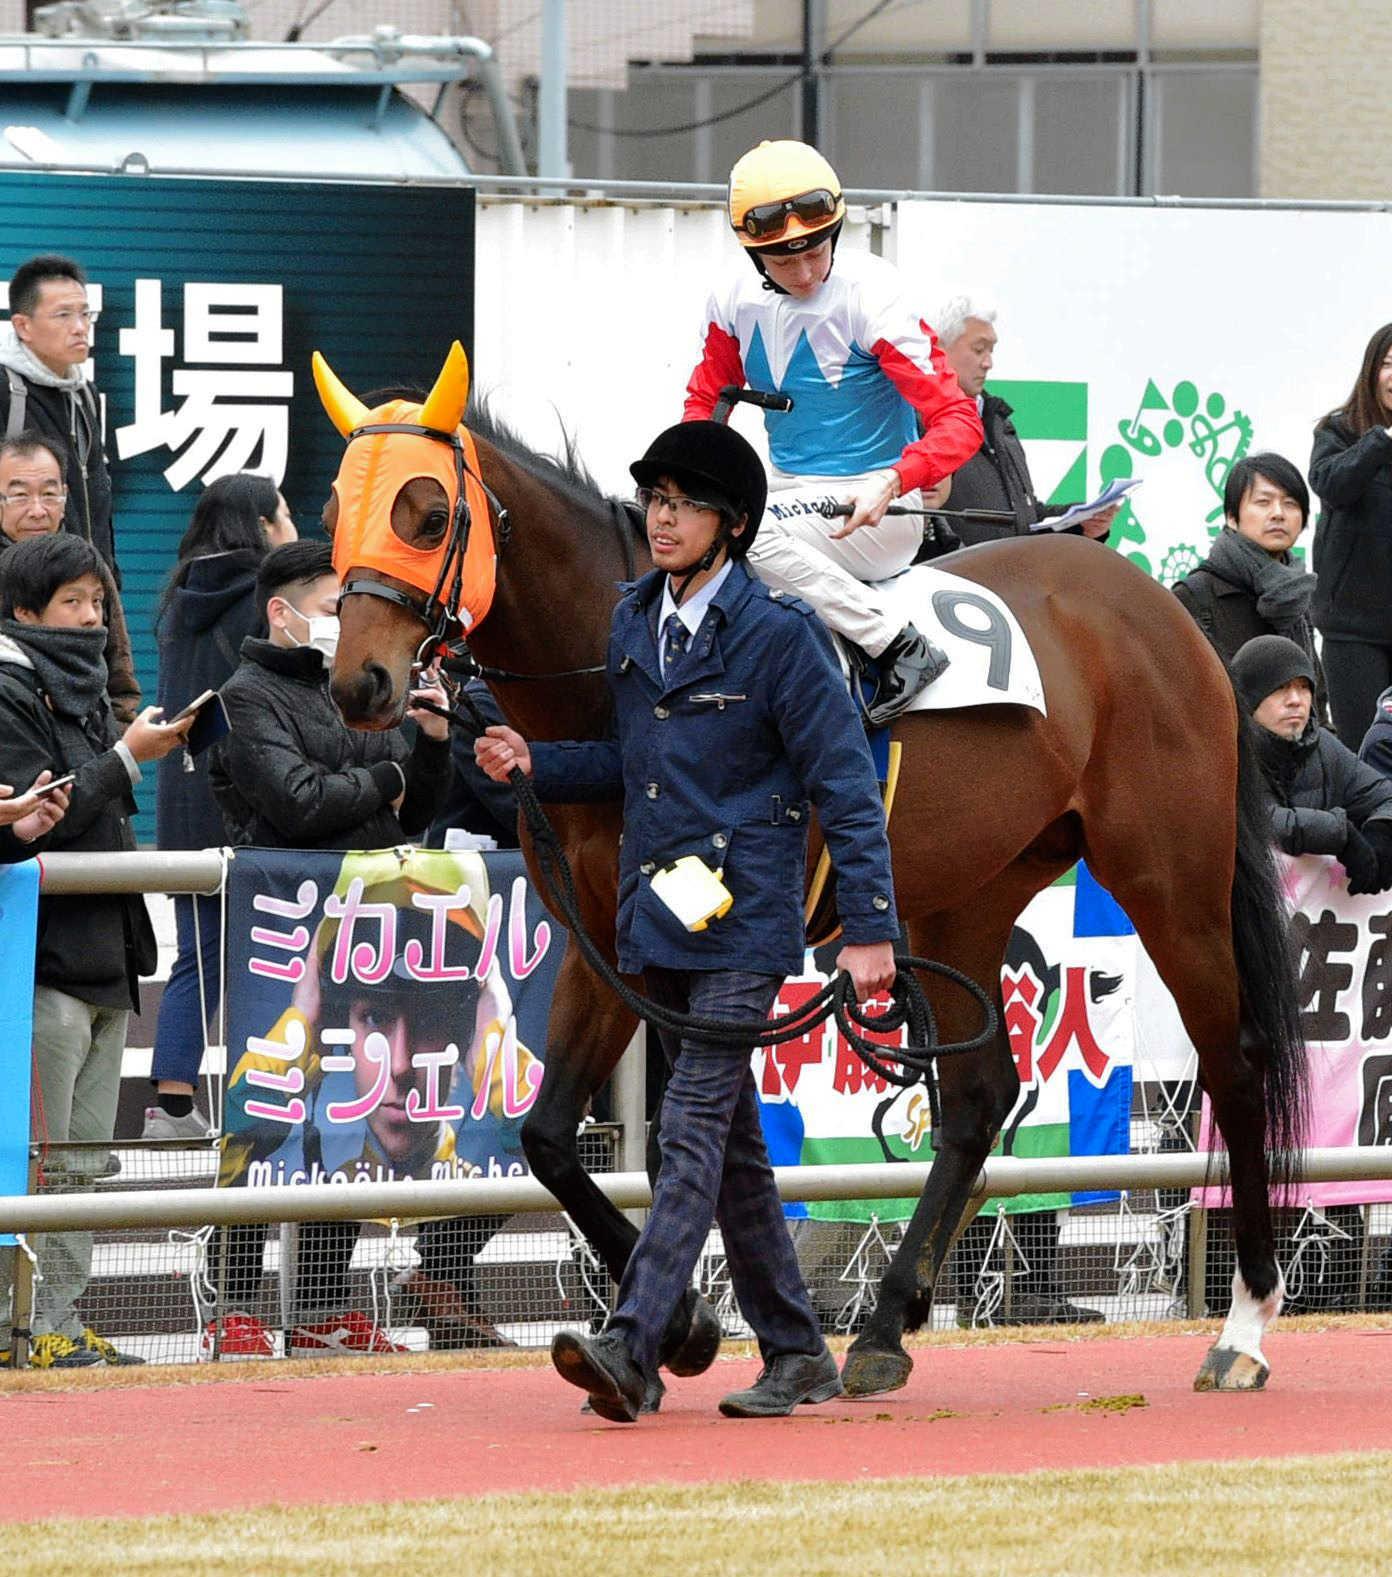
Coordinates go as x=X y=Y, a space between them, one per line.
x=1327 y=800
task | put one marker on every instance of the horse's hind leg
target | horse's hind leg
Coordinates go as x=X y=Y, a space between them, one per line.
x=1185 y=923
x=977 y=1091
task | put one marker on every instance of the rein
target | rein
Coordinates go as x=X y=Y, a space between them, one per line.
x=836 y=999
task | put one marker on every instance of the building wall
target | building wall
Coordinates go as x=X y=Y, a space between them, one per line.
x=1325 y=112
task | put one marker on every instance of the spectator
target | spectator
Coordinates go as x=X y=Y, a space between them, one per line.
x=1351 y=471
x=32 y=499
x=474 y=802
x=1376 y=749
x=1249 y=585
x=997 y=476
x=207 y=610
x=1326 y=800
x=91 y=950
x=291 y=774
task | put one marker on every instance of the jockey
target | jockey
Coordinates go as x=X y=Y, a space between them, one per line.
x=865 y=374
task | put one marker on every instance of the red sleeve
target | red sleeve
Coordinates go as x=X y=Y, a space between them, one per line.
x=719 y=364
x=952 y=427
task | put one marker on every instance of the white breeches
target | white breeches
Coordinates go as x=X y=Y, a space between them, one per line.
x=794 y=552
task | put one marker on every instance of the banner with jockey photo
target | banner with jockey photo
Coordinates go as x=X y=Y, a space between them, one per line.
x=1344 y=949
x=1069 y=989
x=381 y=1008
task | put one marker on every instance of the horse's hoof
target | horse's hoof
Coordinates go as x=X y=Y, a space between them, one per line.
x=1226 y=1369
x=869 y=1371
x=696 y=1351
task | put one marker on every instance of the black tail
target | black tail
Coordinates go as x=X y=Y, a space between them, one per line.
x=1266 y=967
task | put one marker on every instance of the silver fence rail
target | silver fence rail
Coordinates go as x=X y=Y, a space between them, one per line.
x=1003 y=1178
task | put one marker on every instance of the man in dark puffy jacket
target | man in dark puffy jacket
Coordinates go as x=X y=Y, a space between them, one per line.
x=1327 y=800
x=291 y=774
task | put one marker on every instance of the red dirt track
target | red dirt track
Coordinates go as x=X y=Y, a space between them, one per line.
x=368 y=1437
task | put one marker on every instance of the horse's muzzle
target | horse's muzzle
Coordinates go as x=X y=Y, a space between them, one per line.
x=367 y=699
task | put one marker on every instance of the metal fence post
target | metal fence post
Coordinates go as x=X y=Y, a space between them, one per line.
x=631 y=1109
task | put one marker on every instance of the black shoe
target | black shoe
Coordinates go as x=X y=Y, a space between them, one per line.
x=601 y=1365
x=909 y=663
x=783 y=1384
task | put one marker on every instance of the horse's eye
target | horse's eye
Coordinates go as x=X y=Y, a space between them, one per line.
x=435 y=523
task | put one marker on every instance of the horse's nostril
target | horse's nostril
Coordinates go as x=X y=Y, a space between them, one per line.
x=363 y=697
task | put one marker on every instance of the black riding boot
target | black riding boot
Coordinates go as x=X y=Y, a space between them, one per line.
x=909 y=663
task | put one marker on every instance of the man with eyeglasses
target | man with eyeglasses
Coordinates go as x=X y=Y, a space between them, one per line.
x=730 y=724
x=42 y=388
x=877 y=413
x=32 y=500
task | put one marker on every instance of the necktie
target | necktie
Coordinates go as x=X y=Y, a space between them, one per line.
x=675 y=637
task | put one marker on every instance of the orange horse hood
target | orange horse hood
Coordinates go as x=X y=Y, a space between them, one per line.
x=377 y=465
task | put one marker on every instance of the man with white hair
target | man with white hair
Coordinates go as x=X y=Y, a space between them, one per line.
x=997 y=476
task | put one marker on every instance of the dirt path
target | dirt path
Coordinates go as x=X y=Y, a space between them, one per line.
x=363 y=1437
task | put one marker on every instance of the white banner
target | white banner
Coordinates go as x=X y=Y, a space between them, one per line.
x=1159 y=343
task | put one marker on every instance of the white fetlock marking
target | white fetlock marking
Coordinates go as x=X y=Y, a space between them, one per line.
x=1248 y=1319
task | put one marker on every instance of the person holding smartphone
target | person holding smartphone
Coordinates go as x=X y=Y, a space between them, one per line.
x=91 y=950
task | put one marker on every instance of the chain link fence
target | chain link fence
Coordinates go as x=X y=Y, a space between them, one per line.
x=499 y=1282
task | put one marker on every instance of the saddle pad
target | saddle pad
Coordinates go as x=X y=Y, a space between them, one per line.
x=992 y=663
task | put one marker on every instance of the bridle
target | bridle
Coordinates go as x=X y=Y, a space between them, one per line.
x=445 y=634
x=440 y=610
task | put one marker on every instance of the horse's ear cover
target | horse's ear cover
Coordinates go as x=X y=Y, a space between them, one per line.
x=343 y=408
x=445 y=404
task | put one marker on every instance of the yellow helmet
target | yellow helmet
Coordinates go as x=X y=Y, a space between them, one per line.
x=783 y=195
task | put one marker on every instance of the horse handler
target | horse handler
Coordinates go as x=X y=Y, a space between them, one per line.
x=731 y=721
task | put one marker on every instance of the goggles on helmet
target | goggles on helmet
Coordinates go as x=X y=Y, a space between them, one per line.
x=768 y=221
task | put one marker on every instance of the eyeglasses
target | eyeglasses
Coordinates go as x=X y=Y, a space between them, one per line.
x=766 y=221
x=50 y=498
x=682 y=508
x=67 y=315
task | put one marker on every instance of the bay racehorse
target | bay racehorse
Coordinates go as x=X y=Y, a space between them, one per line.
x=1142 y=766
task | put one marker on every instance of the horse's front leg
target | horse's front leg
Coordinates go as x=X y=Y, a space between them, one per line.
x=586 y=1037
x=977 y=1094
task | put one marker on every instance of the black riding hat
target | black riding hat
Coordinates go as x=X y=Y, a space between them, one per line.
x=715 y=464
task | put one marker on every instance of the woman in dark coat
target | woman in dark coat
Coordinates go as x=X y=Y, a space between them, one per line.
x=208 y=608
x=1351 y=471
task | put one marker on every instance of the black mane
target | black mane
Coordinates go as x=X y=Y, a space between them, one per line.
x=567 y=475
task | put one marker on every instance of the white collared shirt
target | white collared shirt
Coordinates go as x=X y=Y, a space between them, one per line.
x=691 y=610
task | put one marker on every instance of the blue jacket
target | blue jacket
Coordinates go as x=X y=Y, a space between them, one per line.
x=721 y=761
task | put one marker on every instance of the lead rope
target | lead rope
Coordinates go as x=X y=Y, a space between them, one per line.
x=908 y=1004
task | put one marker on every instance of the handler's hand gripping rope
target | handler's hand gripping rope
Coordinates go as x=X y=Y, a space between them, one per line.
x=836 y=999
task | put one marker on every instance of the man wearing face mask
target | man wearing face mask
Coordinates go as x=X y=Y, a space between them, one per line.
x=291 y=773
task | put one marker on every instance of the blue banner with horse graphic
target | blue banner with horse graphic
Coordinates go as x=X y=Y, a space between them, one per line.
x=386 y=1015
x=1069 y=990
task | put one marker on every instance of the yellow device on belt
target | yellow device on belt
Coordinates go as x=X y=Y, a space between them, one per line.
x=692 y=891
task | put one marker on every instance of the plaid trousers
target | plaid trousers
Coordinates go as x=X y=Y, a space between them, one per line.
x=714 y=1167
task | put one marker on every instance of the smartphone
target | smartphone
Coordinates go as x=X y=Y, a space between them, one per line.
x=57 y=783
x=196 y=705
x=209 y=726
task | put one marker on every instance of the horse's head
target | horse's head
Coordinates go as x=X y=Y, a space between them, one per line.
x=403 y=546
